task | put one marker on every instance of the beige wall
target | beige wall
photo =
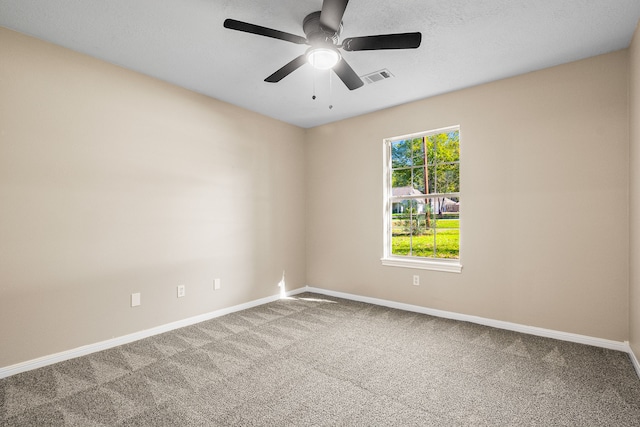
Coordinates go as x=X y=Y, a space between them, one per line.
x=544 y=186
x=113 y=183
x=634 y=192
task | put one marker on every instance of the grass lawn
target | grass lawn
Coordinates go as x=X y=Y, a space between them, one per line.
x=447 y=241
x=448 y=223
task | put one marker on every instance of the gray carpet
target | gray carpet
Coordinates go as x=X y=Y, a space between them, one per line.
x=316 y=360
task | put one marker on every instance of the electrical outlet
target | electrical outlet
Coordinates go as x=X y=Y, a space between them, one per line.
x=135 y=299
x=416 y=280
x=181 y=291
x=216 y=284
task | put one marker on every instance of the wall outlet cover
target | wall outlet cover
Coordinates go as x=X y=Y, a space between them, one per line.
x=135 y=299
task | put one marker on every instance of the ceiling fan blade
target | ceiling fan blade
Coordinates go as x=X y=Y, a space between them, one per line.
x=347 y=75
x=232 y=24
x=331 y=14
x=287 y=69
x=384 y=41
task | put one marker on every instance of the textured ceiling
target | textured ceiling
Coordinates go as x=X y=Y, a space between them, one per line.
x=465 y=43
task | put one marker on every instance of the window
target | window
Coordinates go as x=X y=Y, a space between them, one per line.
x=422 y=200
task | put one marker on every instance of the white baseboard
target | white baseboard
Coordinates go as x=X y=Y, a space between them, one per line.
x=531 y=330
x=114 y=342
x=103 y=345
x=634 y=360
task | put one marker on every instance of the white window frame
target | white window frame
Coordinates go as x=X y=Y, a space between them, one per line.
x=388 y=259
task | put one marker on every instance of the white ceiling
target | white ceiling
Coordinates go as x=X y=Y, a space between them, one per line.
x=464 y=43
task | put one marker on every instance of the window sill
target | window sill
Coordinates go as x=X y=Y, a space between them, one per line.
x=451 y=266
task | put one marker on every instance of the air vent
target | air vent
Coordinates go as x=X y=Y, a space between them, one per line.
x=377 y=76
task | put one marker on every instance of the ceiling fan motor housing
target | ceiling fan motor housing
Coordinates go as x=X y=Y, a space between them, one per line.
x=316 y=34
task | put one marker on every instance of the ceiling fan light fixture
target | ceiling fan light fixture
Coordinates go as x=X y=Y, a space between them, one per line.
x=323 y=58
x=322 y=30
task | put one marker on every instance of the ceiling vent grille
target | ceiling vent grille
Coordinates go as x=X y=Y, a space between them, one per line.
x=378 y=76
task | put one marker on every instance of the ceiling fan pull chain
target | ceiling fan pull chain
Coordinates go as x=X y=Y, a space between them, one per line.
x=330 y=91
x=315 y=76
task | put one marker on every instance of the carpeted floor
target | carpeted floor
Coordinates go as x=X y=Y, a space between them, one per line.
x=316 y=360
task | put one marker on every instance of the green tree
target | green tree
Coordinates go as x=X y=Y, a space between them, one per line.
x=440 y=174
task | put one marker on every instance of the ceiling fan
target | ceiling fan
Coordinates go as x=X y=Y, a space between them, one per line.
x=323 y=29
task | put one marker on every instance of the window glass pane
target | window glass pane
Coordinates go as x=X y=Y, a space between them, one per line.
x=418 y=151
x=401 y=153
x=456 y=200
x=420 y=223
x=433 y=208
x=436 y=206
x=447 y=178
x=404 y=222
x=431 y=172
x=423 y=243
x=447 y=242
x=400 y=244
x=400 y=178
x=447 y=220
x=418 y=180
x=399 y=210
x=413 y=210
x=431 y=150
x=400 y=228
x=445 y=207
x=451 y=209
x=448 y=149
